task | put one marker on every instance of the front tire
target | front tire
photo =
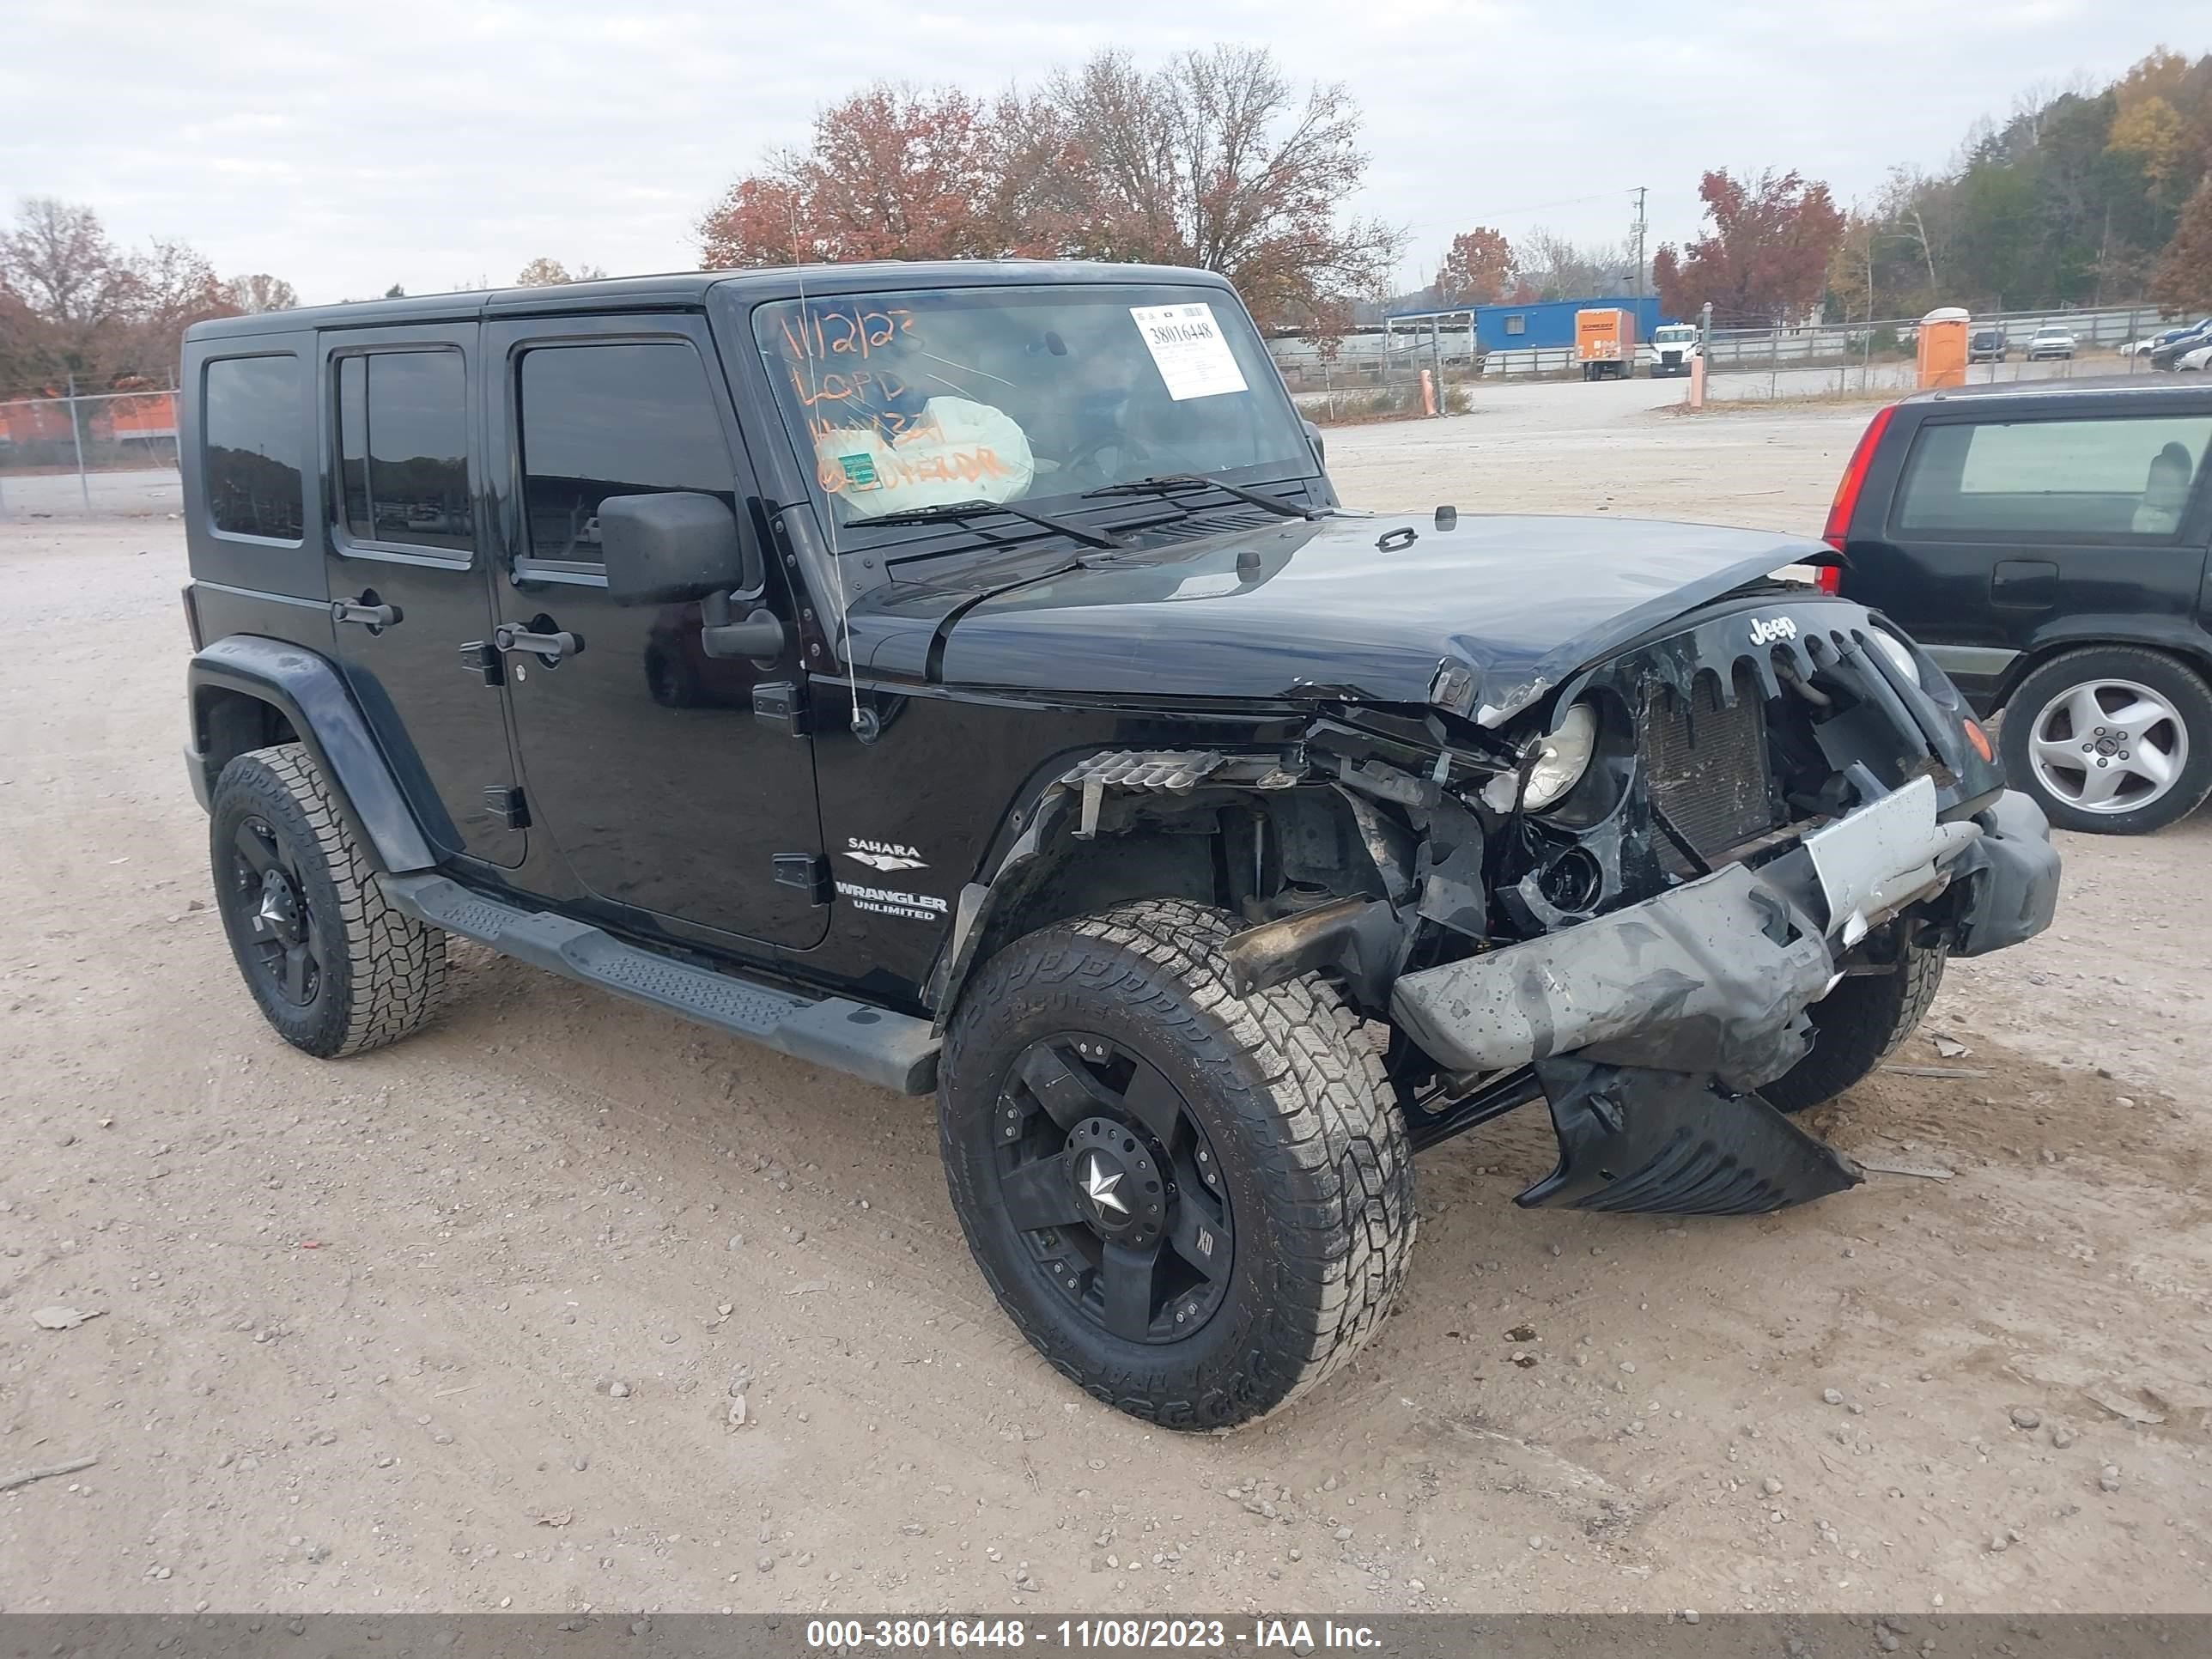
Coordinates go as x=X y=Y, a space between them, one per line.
x=2114 y=739
x=334 y=968
x=1858 y=1025
x=1194 y=1206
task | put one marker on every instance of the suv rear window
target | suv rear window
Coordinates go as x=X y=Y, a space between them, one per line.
x=2066 y=479
x=250 y=430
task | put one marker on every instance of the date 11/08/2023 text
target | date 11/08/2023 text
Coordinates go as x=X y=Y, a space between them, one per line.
x=1088 y=1635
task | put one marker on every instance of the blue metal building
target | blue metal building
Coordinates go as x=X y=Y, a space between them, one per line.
x=1552 y=322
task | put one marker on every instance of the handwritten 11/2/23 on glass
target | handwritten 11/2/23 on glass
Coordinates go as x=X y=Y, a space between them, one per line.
x=1085 y=1635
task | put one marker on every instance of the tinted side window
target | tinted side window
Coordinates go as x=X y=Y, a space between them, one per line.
x=250 y=429
x=2128 y=477
x=613 y=420
x=353 y=444
x=403 y=448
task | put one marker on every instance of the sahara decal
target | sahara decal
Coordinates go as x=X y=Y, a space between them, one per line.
x=885 y=855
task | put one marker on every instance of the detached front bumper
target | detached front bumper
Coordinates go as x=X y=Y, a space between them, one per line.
x=1686 y=1004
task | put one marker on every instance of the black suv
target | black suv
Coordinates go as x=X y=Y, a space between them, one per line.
x=2046 y=544
x=962 y=677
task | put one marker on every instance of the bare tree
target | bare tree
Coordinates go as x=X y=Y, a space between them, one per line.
x=74 y=305
x=260 y=293
x=1556 y=267
x=544 y=272
x=58 y=262
x=1213 y=159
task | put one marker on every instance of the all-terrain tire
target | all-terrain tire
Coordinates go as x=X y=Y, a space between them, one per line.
x=2183 y=692
x=1858 y=1025
x=1286 y=1089
x=373 y=973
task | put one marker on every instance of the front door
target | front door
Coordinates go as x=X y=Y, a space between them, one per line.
x=407 y=582
x=641 y=756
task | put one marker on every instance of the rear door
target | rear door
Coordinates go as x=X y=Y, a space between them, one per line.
x=642 y=758
x=2006 y=531
x=409 y=586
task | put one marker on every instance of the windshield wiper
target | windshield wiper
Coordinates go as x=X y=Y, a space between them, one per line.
x=1169 y=482
x=956 y=512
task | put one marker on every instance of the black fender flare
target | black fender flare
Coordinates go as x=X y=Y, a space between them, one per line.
x=308 y=690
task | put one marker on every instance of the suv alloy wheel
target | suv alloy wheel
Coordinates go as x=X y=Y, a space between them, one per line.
x=2112 y=739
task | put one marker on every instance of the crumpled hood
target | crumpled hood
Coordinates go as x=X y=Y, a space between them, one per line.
x=1481 y=618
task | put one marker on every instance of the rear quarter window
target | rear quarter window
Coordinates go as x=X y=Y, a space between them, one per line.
x=251 y=438
x=2128 y=479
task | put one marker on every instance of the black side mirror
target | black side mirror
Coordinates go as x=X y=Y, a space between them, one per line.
x=1320 y=449
x=674 y=546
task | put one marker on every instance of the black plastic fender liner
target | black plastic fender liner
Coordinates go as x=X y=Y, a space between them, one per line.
x=307 y=689
x=1674 y=1143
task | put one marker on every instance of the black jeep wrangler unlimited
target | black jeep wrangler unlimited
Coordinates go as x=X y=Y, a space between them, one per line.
x=964 y=676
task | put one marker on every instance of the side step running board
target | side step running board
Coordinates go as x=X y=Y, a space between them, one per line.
x=891 y=1050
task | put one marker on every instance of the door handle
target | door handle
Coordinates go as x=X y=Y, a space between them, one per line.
x=508 y=637
x=369 y=614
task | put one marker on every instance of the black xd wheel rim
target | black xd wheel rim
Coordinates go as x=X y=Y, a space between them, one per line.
x=1115 y=1188
x=283 y=935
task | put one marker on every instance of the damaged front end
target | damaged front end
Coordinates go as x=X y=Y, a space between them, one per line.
x=1628 y=900
x=1791 y=794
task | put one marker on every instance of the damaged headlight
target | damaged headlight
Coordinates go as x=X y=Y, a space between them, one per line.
x=1898 y=653
x=1562 y=757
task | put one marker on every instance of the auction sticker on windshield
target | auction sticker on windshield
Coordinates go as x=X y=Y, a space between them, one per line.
x=1189 y=349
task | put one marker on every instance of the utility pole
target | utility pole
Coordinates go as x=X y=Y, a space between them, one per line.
x=1638 y=229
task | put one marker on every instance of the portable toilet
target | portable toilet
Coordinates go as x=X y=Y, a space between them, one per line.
x=1942 y=346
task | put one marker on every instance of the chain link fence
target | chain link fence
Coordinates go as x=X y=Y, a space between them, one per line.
x=1375 y=375
x=1848 y=359
x=65 y=452
x=1379 y=376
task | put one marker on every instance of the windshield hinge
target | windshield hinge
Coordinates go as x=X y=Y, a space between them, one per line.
x=506 y=803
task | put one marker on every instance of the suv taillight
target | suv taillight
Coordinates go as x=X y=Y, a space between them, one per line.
x=1847 y=495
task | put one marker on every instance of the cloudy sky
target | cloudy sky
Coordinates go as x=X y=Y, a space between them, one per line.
x=432 y=145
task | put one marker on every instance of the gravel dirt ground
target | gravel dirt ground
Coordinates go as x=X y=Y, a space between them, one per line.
x=456 y=1325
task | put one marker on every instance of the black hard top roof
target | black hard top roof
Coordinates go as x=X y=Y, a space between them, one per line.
x=2106 y=388
x=686 y=290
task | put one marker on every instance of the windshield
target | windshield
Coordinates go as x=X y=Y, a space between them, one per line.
x=929 y=396
x=1674 y=335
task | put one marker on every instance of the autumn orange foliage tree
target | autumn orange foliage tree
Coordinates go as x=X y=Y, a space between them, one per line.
x=2184 y=276
x=1478 y=268
x=1766 y=257
x=1213 y=159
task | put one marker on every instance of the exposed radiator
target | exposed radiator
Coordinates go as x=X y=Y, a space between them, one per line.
x=1705 y=764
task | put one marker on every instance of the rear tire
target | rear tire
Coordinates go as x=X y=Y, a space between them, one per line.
x=2038 y=739
x=1857 y=1026
x=1104 y=1058
x=335 y=969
